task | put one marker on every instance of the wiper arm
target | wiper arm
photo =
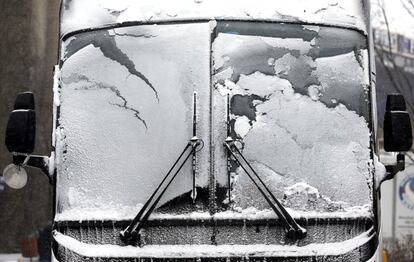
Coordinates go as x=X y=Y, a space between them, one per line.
x=134 y=228
x=132 y=232
x=294 y=230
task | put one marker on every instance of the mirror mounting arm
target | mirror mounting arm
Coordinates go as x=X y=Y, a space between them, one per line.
x=392 y=170
x=40 y=162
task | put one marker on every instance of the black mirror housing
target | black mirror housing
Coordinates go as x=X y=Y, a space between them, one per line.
x=21 y=127
x=21 y=131
x=397 y=125
x=24 y=100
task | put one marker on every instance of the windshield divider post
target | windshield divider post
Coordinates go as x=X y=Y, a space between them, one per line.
x=227 y=152
x=194 y=160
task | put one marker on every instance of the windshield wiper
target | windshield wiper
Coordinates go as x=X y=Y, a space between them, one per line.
x=134 y=228
x=294 y=230
x=132 y=232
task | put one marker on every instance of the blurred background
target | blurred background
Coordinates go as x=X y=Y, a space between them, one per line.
x=29 y=48
x=28 y=52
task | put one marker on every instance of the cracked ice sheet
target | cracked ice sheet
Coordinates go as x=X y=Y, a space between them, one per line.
x=327 y=148
x=108 y=159
x=80 y=14
x=179 y=251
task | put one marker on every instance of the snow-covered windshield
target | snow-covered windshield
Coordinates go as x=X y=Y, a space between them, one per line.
x=299 y=112
x=126 y=114
x=299 y=106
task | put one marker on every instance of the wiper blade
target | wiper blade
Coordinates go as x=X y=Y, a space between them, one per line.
x=294 y=230
x=132 y=232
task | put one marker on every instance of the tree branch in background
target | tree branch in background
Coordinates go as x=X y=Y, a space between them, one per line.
x=411 y=3
x=396 y=82
x=401 y=77
x=408 y=6
x=384 y=14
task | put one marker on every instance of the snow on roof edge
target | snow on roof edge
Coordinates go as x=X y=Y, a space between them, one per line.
x=79 y=15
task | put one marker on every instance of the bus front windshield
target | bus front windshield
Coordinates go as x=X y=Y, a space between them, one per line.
x=299 y=112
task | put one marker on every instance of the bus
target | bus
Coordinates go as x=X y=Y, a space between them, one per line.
x=203 y=130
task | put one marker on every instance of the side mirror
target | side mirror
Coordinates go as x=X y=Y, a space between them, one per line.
x=397 y=134
x=21 y=127
x=20 y=140
x=397 y=125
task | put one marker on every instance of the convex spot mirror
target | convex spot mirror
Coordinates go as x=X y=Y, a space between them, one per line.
x=21 y=127
x=15 y=176
x=397 y=125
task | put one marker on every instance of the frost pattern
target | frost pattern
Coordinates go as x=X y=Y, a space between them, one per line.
x=116 y=141
x=300 y=117
x=106 y=43
x=85 y=83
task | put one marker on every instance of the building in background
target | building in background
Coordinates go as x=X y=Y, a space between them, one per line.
x=402 y=49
